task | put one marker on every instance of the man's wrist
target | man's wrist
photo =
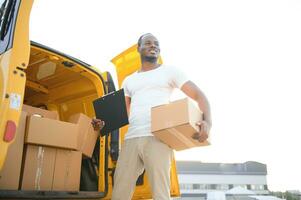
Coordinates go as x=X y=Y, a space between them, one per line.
x=209 y=123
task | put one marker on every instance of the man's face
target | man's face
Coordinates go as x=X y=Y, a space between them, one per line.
x=149 y=48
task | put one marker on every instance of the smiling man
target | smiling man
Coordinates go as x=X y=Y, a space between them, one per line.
x=152 y=85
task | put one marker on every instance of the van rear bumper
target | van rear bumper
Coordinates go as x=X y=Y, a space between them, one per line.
x=18 y=194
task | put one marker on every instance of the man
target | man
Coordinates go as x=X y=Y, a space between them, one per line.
x=152 y=85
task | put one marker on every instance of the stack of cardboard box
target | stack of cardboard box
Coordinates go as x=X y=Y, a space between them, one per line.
x=52 y=154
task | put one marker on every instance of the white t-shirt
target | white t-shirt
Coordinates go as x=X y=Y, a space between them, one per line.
x=146 y=90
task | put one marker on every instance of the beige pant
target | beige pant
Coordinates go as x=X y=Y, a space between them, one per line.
x=136 y=155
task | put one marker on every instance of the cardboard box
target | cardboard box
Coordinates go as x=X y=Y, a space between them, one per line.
x=67 y=170
x=175 y=124
x=38 y=168
x=44 y=113
x=10 y=173
x=50 y=132
x=87 y=137
x=47 y=168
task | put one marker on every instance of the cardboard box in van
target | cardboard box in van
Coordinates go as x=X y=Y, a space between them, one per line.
x=47 y=168
x=50 y=132
x=67 y=170
x=87 y=137
x=43 y=113
x=10 y=173
x=38 y=168
x=175 y=124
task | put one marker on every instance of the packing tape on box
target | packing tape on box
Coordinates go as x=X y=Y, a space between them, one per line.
x=68 y=167
x=181 y=137
x=39 y=168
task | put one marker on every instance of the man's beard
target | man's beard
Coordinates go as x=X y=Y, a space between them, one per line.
x=149 y=59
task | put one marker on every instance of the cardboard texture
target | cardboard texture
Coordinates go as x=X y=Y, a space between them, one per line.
x=50 y=132
x=38 y=168
x=10 y=173
x=87 y=137
x=44 y=113
x=175 y=124
x=67 y=170
x=51 y=169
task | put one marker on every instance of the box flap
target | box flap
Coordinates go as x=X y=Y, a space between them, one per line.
x=44 y=113
x=87 y=137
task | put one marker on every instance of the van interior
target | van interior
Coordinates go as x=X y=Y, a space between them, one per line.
x=55 y=81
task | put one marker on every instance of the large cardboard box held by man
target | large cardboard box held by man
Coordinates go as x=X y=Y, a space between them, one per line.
x=175 y=124
x=10 y=173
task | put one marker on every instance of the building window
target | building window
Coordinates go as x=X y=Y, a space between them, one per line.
x=203 y=186
x=195 y=186
x=257 y=187
x=240 y=185
x=213 y=187
x=222 y=187
x=186 y=186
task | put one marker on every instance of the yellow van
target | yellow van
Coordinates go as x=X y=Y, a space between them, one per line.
x=36 y=75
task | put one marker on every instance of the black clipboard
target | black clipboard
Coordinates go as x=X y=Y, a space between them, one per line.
x=111 y=109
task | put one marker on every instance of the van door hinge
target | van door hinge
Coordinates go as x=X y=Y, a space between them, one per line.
x=19 y=68
x=22 y=73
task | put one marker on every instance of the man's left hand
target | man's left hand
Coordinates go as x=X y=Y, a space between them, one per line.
x=97 y=124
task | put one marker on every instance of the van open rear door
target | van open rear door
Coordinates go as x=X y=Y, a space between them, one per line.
x=127 y=63
x=14 y=57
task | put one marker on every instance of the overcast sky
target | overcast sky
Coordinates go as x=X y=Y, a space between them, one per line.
x=244 y=55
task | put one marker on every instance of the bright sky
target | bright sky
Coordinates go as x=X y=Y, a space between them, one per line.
x=244 y=55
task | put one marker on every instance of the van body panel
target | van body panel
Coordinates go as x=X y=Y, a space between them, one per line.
x=13 y=60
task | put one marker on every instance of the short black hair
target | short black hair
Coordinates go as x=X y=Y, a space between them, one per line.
x=141 y=37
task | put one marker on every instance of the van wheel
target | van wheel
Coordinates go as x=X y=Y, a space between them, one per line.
x=88 y=178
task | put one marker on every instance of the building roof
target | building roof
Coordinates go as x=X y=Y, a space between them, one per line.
x=196 y=167
x=260 y=197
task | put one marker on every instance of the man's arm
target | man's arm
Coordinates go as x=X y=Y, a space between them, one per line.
x=128 y=104
x=194 y=92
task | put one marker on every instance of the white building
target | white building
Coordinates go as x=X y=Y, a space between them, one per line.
x=197 y=179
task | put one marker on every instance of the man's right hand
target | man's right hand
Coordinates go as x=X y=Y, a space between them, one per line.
x=97 y=124
x=202 y=135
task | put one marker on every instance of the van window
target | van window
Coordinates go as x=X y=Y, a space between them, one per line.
x=7 y=20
